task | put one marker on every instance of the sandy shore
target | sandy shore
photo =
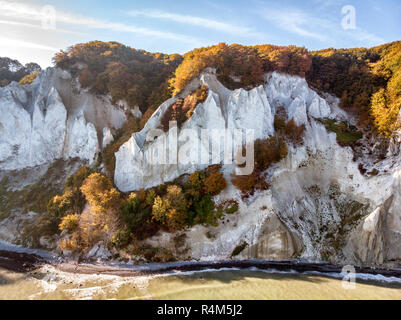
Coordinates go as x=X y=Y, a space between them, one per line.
x=151 y=268
x=27 y=262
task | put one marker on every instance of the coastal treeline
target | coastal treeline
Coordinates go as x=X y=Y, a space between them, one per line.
x=367 y=80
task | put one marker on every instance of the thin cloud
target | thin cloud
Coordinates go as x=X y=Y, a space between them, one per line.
x=367 y=37
x=36 y=26
x=25 y=44
x=28 y=12
x=119 y=27
x=198 y=21
x=304 y=24
x=294 y=21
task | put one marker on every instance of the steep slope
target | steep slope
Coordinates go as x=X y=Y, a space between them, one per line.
x=52 y=119
x=328 y=198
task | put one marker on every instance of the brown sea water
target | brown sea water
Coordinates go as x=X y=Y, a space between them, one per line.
x=49 y=283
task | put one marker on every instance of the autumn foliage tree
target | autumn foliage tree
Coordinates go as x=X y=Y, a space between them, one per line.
x=125 y=73
x=183 y=109
x=28 y=79
x=366 y=80
x=102 y=219
x=241 y=66
x=386 y=101
x=215 y=183
x=267 y=152
x=171 y=210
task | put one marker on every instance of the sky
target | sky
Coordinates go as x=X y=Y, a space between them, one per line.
x=34 y=30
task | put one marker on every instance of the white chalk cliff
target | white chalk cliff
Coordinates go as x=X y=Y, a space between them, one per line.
x=238 y=109
x=319 y=205
x=52 y=119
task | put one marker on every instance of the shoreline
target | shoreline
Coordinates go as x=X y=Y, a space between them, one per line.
x=124 y=270
x=24 y=262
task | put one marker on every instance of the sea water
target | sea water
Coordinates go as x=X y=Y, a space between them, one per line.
x=49 y=283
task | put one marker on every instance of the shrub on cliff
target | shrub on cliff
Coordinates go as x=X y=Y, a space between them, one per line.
x=183 y=109
x=171 y=210
x=269 y=151
x=290 y=131
x=215 y=183
x=69 y=223
x=28 y=79
x=244 y=183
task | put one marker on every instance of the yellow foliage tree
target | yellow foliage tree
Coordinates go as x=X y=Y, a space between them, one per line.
x=101 y=220
x=171 y=210
x=69 y=222
x=28 y=79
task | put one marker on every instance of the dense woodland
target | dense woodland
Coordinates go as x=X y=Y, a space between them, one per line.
x=121 y=219
x=137 y=76
x=368 y=81
x=241 y=66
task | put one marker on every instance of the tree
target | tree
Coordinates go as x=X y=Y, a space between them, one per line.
x=137 y=76
x=86 y=78
x=171 y=210
x=197 y=179
x=244 y=183
x=69 y=223
x=215 y=183
x=28 y=79
x=103 y=219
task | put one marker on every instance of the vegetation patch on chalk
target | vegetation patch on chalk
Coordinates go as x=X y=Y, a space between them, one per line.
x=346 y=133
x=238 y=249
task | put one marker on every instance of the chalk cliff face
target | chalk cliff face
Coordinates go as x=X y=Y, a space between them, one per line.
x=223 y=109
x=52 y=119
x=319 y=205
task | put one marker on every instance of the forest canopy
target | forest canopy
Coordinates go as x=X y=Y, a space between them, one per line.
x=367 y=80
x=241 y=66
x=137 y=76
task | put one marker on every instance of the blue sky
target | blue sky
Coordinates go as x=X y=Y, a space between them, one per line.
x=179 y=26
